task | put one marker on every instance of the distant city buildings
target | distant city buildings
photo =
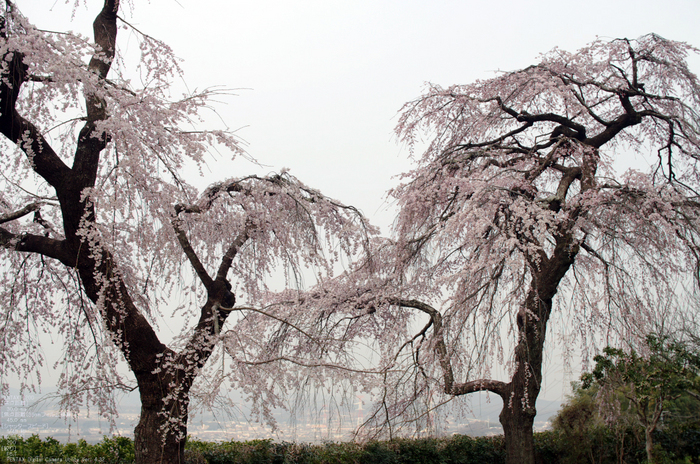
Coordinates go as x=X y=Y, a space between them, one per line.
x=25 y=416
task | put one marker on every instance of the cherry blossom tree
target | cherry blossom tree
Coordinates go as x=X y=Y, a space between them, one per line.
x=103 y=239
x=520 y=212
x=517 y=198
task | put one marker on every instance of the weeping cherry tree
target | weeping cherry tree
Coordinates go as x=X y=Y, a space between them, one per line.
x=103 y=239
x=522 y=211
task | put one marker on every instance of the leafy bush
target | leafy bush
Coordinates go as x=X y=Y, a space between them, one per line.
x=114 y=450
x=463 y=449
x=676 y=445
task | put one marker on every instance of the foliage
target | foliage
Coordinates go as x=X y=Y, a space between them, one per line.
x=552 y=447
x=663 y=371
x=578 y=423
x=580 y=432
x=114 y=450
x=462 y=449
x=666 y=370
x=584 y=436
x=458 y=449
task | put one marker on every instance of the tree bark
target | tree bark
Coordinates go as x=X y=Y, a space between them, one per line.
x=153 y=444
x=649 y=445
x=520 y=395
x=518 y=414
x=154 y=448
x=517 y=423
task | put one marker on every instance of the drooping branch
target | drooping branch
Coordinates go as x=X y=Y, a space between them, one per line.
x=450 y=386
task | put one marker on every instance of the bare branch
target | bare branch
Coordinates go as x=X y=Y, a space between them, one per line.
x=30 y=208
x=197 y=265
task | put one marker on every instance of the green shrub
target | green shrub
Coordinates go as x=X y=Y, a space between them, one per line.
x=675 y=446
x=463 y=449
x=377 y=452
x=115 y=450
x=419 y=451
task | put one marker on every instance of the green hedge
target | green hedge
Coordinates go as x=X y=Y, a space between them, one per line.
x=115 y=450
x=456 y=450
x=551 y=447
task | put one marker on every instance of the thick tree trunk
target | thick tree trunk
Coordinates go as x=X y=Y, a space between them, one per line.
x=151 y=445
x=164 y=384
x=518 y=414
x=159 y=438
x=520 y=395
x=517 y=425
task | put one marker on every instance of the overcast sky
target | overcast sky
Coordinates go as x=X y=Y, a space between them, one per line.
x=320 y=82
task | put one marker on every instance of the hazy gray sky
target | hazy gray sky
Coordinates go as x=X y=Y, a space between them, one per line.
x=320 y=81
